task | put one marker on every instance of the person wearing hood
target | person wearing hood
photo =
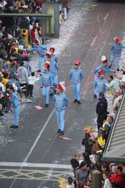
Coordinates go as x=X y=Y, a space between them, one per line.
x=116 y=50
x=61 y=102
x=101 y=110
x=76 y=76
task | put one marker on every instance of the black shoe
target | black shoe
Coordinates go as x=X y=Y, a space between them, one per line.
x=51 y=94
x=1 y=114
x=78 y=102
x=46 y=105
x=109 y=66
x=62 y=132
x=59 y=130
x=14 y=126
x=39 y=71
x=75 y=101
x=95 y=96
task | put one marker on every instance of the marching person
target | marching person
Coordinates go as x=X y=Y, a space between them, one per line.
x=46 y=81
x=116 y=52
x=52 y=54
x=76 y=76
x=104 y=67
x=100 y=84
x=41 y=51
x=54 y=72
x=61 y=102
x=15 y=103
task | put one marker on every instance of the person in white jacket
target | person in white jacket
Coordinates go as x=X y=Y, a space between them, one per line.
x=107 y=183
x=31 y=81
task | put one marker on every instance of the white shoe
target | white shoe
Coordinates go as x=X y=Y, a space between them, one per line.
x=29 y=101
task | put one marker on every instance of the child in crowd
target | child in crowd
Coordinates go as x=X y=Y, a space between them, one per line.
x=31 y=81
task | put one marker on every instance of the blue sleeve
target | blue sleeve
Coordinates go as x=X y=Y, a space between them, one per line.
x=123 y=46
x=112 y=48
x=81 y=74
x=32 y=49
x=66 y=101
x=56 y=65
x=70 y=74
x=97 y=69
x=51 y=80
x=56 y=59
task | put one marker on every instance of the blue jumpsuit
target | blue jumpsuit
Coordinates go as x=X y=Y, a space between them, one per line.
x=41 y=51
x=115 y=54
x=100 y=67
x=54 y=72
x=46 y=81
x=76 y=76
x=15 y=104
x=100 y=86
x=54 y=58
x=61 y=102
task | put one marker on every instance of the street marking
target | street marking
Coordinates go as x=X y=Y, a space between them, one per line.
x=38 y=137
x=35 y=165
x=36 y=175
x=93 y=41
x=106 y=16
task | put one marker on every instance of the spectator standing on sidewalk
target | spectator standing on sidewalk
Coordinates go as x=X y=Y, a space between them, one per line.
x=76 y=76
x=2 y=91
x=65 y=8
x=23 y=77
x=101 y=110
x=31 y=81
x=61 y=102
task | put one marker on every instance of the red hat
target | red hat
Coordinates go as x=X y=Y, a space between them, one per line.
x=47 y=64
x=101 y=72
x=36 y=42
x=52 y=49
x=61 y=86
x=48 y=55
x=117 y=39
x=77 y=62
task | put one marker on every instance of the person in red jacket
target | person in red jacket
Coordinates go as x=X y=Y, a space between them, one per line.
x=117 y=179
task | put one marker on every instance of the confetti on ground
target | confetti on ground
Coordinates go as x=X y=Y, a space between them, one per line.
x=38 y=107
x=65 y=138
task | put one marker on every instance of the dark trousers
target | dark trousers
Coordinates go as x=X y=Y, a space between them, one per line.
x=101 y=119
x=30 y=90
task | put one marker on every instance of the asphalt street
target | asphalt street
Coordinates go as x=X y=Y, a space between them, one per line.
x=34 y=156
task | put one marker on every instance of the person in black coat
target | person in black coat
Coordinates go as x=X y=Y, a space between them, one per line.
x=101 y=110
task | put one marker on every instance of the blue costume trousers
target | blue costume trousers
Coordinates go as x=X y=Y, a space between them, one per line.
x=76 y=91
x=60 y=119
x=16 y=116
x=45 y=93
x=114 y=59
x=40 y=62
